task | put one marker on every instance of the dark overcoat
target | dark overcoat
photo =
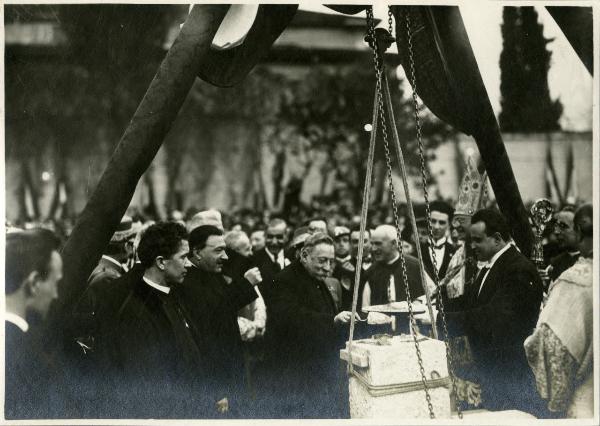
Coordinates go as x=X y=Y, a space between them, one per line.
x=156 y=368
x=212 y=305
x=305 y=345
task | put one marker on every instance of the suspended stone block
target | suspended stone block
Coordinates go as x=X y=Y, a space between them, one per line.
x=386 y=381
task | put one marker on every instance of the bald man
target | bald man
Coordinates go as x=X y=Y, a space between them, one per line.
x=385 y=283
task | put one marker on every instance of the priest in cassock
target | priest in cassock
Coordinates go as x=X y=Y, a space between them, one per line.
x=385 y=279
x=156 y=359
x=212 y=303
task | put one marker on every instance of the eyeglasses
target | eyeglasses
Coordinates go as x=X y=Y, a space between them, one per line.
x=278 y=237
x=561 y=226
x=322 y=261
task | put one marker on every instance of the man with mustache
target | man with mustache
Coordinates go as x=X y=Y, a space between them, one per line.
x=307 y=331
x=213 y=304
x=566 y=237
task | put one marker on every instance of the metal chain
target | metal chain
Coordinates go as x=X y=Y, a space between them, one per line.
x=379 y=69
x=428 y=211
x=390 y=21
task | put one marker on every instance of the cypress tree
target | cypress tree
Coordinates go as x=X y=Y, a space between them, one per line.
x=524 y=64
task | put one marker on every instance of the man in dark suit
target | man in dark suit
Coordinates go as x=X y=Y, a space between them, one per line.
x=271 y=259
x=212 y=305
x=33 y=381
x=307 y=330
x=566 y=237
x=497 y=313
x=346 y=272
x=441 y=217
x=157 y=368
x=102 y=299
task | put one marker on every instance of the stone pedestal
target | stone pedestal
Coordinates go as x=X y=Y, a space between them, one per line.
x=386 y=382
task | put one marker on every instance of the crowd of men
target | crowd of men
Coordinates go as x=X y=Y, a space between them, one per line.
x=188 y=319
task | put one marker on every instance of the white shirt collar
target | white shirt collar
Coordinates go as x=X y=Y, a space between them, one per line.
x=159 y=287
x=344 y=259
x=281 y=260
x=111 y=260
x=394 y=259
x=440 y=241
x=497 y=256
x=271 y=255
x=17 y=320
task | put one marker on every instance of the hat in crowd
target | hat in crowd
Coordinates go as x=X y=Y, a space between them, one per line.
x=339 y=231
x=300 y=235
x=206 y=217
x=125 y=230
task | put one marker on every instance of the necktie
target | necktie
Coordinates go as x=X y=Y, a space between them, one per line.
x=479 y=280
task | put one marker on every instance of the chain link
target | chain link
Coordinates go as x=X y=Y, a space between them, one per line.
x=424 y=179
x=379 y=69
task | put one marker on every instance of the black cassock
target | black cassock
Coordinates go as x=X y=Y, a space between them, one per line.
x=378 y=277
x=212 y=305
x=157 y=368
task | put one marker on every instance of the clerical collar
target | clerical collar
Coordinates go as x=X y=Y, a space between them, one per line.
x=159 y=287
x=574 y=253
x=497 y=256
x=394 y=259
x=112 y=260
x=17 y=320
x=344 y=259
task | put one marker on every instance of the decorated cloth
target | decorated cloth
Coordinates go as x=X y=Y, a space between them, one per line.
x=560 y=351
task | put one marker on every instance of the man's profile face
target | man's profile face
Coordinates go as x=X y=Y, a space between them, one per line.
x=342 y=246
x=484 y=246
x=383 y=248
x=319 y=260
x=257 y=239
x=275 y=238
x=45 y=290
x=564 y=230
x=355 y=239
x=175 y=266
x=212 y=256
x=440 y=223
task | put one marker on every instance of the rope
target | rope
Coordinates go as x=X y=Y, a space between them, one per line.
x=363 y=223
x=411 y=212
x=384 y=390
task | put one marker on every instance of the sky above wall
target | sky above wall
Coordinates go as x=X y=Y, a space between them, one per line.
x=568 y=79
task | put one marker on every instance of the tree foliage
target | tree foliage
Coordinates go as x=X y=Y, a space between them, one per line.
x=330 y=107
x=524 y=64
